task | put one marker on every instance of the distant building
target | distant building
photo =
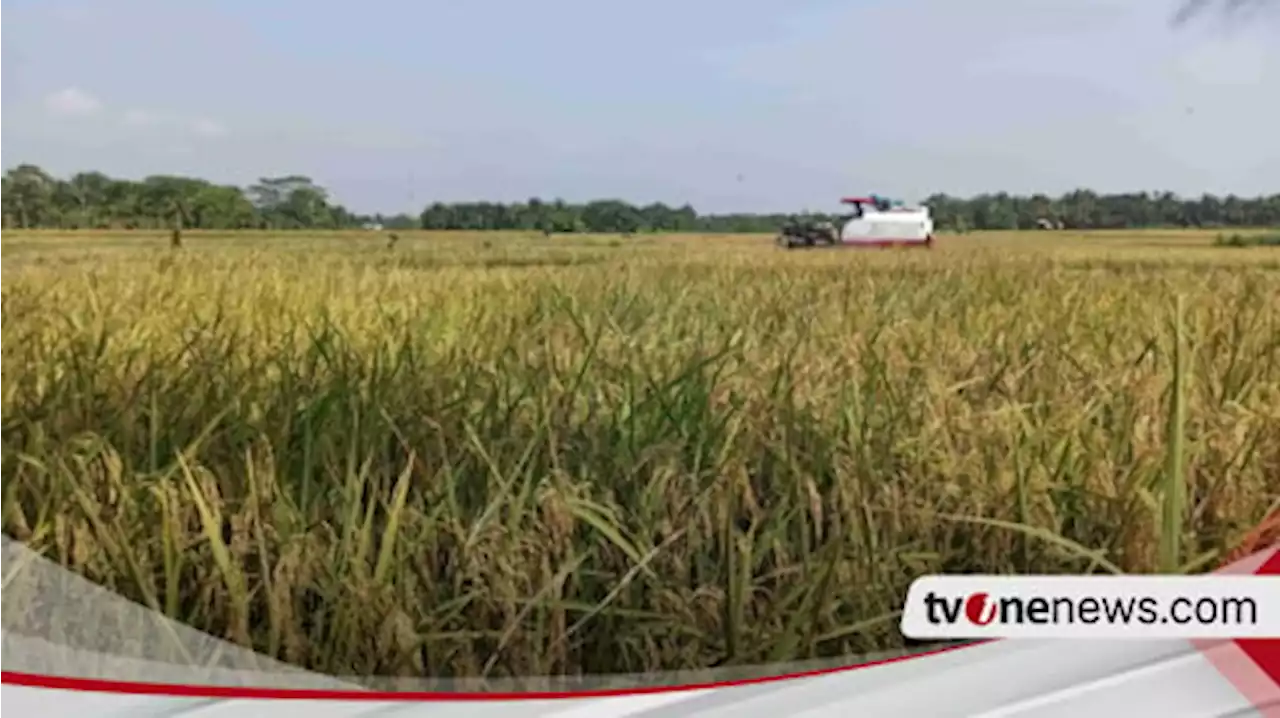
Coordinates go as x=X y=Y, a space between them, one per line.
x=372 y=226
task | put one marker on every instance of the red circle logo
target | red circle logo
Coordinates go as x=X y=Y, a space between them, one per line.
x=979 y=610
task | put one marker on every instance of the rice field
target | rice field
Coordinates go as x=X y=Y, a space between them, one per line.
x=505 y=455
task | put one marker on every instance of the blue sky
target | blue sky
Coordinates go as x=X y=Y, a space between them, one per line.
x=729 y=105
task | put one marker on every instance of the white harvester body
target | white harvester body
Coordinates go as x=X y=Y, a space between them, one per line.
x=877 y=222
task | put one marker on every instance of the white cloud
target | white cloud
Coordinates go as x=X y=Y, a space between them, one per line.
x=208 y=128
x=72 y=102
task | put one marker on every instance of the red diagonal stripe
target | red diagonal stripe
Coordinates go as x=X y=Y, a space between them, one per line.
x=1252 y=665
x=1266 y=651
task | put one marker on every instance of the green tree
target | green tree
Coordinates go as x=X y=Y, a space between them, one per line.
x=32 y=198
x=28 y=196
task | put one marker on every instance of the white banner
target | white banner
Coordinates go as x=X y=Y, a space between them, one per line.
x=157 y=667
x=1107 y=607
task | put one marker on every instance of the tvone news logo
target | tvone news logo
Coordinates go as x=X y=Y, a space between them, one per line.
x=982 y=609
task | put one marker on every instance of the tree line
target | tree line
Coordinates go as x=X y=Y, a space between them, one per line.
x=32 y=199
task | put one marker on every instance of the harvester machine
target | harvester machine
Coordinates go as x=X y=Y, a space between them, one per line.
x=874 y=222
